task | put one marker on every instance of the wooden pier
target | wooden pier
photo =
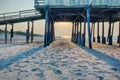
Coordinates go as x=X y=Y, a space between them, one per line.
x=78 y=12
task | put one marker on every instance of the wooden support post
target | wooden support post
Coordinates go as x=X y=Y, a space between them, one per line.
x=46 y=26
x=91 y=29
x=109 y=32
x=49 y=33
x=84 y=33
x=11 y=33
x=93 y=32
x=88 y=21
x=79 y=39
x=28 y=33
x=103 y=36
x=5 y=33
x=53 y=32
x=119 y=35
x=75 y=36
x=32 y=31
x=77 y=32
x=72 y=32
x=112 y=29
x=98 y=33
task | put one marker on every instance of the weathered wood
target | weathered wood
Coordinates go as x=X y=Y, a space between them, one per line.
x=79 y=34
x=93 y=32
x=84 y=33
x=32 y=31
x=11 y=33
x=98 y=33
x=103 y=36
x=78 y=2
x=118 y=41
x=5 y=33
x=88 y=22
x=109 y=32
x=28 y=33
x=46 y=26
x=72 y=31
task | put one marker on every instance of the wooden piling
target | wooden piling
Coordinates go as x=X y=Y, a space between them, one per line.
x=88 y=22
x=32 y=31
x=12 y=33
x=27 y=32
x=98 y=33
x=93 y=32
x=5 y=33
x=109 y=32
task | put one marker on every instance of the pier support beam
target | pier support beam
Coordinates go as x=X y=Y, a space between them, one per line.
x=88 y=22
x=103 y=36
x=79 y=34
x=32 y=31
x=46 y=26
x=98 y=33
x=11 y=33
x=119 y=35
x=28 y=33
x=49 y=33
x=109 y=32
x=75 y=34
x=52 y=32
x=5 y=33
x=84 y=33
x=77 y=25
x=93 y=32
x=72 y=31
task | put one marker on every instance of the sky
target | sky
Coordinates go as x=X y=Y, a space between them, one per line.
x=18 y=5
x=61 y=29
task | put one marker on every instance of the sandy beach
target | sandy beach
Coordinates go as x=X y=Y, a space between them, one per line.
x=62 y=60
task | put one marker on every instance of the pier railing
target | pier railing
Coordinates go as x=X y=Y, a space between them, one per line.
x=19 y=14
x=108 y=3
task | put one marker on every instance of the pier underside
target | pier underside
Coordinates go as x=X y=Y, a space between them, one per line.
x=80 y=14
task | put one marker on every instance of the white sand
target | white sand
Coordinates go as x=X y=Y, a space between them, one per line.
x=112 y=51
x=59 y=61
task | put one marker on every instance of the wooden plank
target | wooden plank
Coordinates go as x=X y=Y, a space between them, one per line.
x=82 y=2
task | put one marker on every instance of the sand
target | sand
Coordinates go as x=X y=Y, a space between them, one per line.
x=62 y=60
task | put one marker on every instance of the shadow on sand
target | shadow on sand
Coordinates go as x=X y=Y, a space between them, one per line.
x=11 y=45
x=106 y=58
x=12 y=59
